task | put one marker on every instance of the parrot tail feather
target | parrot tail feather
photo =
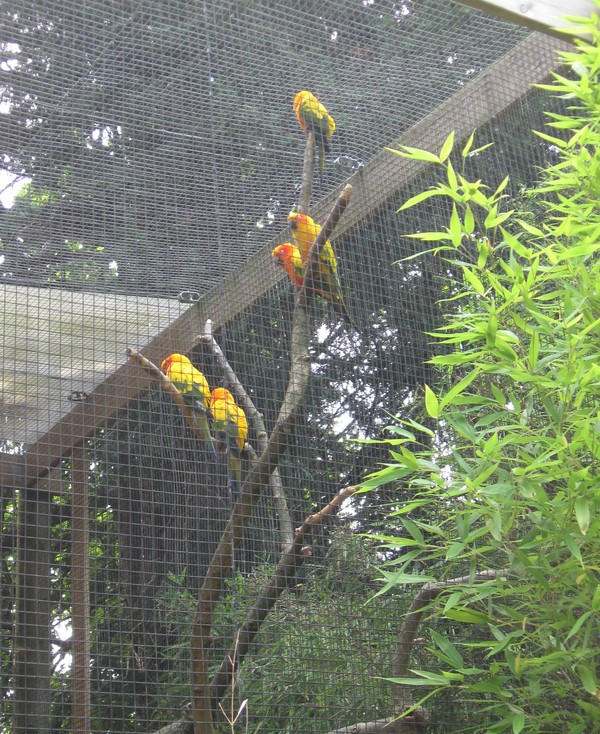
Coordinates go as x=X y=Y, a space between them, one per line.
x=201 y=423
x=235 y=475
x=321 y=163
x=342 y=310
x=213 y=451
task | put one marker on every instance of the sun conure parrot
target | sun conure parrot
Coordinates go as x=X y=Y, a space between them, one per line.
x=193 y=387
x=287 y=256
x=231 y=428
x=313 y=116
x=305 y=231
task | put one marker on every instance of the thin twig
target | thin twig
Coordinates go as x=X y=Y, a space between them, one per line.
x=169 y=387
x=242 y=397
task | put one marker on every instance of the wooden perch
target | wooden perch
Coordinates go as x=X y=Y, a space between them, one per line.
x=391 y=725
x=410 y=625
x=416 y=720
x=221 y=562
x=242 y=397
x=169 y=387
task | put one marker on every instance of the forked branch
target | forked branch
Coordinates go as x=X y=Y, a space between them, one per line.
x=221 y=562
x=244 y=400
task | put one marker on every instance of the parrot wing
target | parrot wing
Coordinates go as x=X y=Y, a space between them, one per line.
x=232 y=428
x=296 y=271
x=317 y=119
x=195 y=397
x=331 y=290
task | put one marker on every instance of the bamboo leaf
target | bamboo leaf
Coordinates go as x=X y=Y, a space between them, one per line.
x=473 y=280
x=582 y=514
x=418 y=198
x=468 y=145
x=447 y=147
x=416 y=154
x=458 y=388
x=431 y=403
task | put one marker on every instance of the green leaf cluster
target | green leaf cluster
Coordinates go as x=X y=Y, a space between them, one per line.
x=513 y=470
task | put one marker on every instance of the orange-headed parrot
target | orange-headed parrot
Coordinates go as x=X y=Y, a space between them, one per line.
x=231 y=428
x=193 y=387
x=313 y=116
x=305 y=231
x=287 y=256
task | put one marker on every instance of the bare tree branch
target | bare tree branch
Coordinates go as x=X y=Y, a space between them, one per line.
x=412 y=724
x=169 y=387
x=221 y=562
x=408 y=632
x=281 y=508
x=416 y=721
x=220 y=565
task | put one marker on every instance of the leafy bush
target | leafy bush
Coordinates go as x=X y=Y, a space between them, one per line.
x=512 y=475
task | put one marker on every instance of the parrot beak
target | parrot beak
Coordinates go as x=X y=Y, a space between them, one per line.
x=277 y=260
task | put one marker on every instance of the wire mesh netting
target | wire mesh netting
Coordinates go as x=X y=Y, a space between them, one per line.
x=150 y=160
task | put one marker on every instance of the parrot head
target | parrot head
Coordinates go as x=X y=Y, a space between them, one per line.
x=220 y=393
x=299 y=98
x=173 y=359
x=282 y=254
x=296 y=219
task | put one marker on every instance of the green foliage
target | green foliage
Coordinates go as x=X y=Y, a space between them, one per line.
x=307 y=674
x=512 y=475
x=284 y=693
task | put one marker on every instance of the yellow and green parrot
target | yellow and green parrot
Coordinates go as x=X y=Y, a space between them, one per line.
x=193 y=387
x=313 y=116
x=231 y=429
x=305 y=231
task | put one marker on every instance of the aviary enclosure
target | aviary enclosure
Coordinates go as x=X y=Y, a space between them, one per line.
x=150 y=159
